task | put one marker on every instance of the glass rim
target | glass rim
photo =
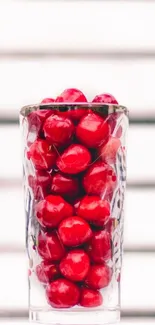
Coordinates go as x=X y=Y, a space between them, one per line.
x=103 y=108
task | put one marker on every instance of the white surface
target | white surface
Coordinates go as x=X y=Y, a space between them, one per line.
x=29 y=81
x=137 y=281
x=139 y=219
x=54 y=25
x=140 y=157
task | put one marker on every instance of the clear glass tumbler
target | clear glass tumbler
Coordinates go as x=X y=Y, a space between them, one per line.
x=74 y=184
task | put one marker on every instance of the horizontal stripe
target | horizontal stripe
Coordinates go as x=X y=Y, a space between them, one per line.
x=138 y=273
x=80 y=54
x=57 y=25
x=139 y=207
x=135 y=120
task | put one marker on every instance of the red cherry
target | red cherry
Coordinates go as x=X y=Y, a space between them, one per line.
x=71 y=95
x=64 y=185
x=90 y=298
x=99 y=247
x=47 y=272
x=75 y=265
x=62 y=294
x=105 y=98
x=42 y=155
x=93 y=209
x=58 y=129
x=99 y=276
x=74 y=159
x=76 y=205
x=100 y=179
x=49 y=247
x=92 y=130
x=47 y=100
x=74 y=114
x=51 y=210
x=77 y=114
x=40 y=183
x=108 y=152
x=74 y=231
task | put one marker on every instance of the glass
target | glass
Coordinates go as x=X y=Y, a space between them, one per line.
x=74 y=183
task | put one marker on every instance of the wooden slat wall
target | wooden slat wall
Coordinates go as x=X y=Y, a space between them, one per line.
x=96 y=45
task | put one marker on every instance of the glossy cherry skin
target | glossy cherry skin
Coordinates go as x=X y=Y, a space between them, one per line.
x=40 y=183
x=74 y=231
x=100 y=179
x=58 y=130
x=62 y=293
x=71 y=95
x=52 y=210
x=93 y=209
x=99 y=247
x=64 y=185
x=42 y=155
x=90 y=298
x=105 y=98
x=50 y=247
x=108 y=152
x=75 y=265
x=47 y=100
x=47 y=272
x=93 y=130
x=99 y=276
x=74 y=159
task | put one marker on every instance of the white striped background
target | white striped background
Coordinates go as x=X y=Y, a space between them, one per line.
x=97 y=46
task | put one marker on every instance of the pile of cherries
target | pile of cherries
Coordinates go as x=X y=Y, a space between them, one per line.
x=73 y=153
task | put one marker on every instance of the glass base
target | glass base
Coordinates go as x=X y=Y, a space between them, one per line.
x=75 y=317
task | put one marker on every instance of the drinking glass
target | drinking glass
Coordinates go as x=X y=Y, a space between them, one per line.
x=74 y=171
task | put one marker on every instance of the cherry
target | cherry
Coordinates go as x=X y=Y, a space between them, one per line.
x=51 y=210
x=108 y=152
x=42 y=155
x=105 y=98
x=99 y=276
x=92 y=130
x=75 y=265
x=64 y=185
x=47 y=272
x=90 y=298
x=39 y=183
x=62 y=293
x=74 y=231
x=47 y=100
x=99 y=247
x=58 y=130
x=93 y=209
x=74 y=159
x=71 y=95
x=49 y=247
x=100 y=179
